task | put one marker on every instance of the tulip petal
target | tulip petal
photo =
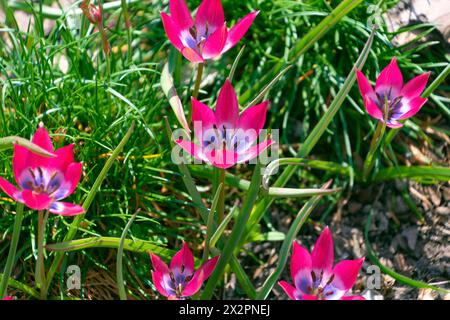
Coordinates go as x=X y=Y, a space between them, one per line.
x=66 y=209
x=414 y=106
x=253 y=118
x=203 y=118
x=209 y=16
x=193 y=149
x=36 y=201
x=195 y=284
x=180 y=14
x=364 y=86
x=159 y=265
x=158 y=282
x=415 y=86
x=353 y=298
x=300 y=260
x=64 y=157
x=239 y=30
x=9 y=189
x=289 y=289
x=346 y=272
x=322 y=256
x=42 y=139
x=209 y=266
x=215 y=43
x=173 y=31
x=390 y=79
x=192 y=55
x=183 y=261
x=308 y=297
x=20 y=160
x=373 y=109
x=71 y=179
x=394 y=124
x=253 y=152
x=227 y=109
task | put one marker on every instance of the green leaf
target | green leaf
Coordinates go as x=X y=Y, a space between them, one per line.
x=9 y=142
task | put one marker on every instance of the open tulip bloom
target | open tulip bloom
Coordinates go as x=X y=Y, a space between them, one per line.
x=206 y=38
x=43 y=182
x=314 y=276
x=392 y=101
x=225 y=136
x=180 y=280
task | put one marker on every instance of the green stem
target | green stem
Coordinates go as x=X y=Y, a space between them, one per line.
x=376 y=140
x=12 y=250
x=198 y=81
x=40 y=266
x=221 y=205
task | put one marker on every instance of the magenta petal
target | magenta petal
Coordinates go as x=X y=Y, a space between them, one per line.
x=364 y=85
x=239 y=30
x=346 y=272
x=227 y=109
x=9 y=189
x=66 y=209
x=215 y=43
x=159 y=265
x=183 y=260
x=192 y=55
x=180 y=14
x=322 y=256
x=373 y=109
x=193 y=149
x=415 y=86
x=172 y=30
x=20 y=160
x=195 y=284
x=222 y=159
x=288 y=288
x=209 y=266
x=390 y=77
x=209 y=13
x=253 y=118
x=254 y=151
x=64 y=157
x=158 y=282
x=300 y=260
x=203 y=118
x=394 y=124
x=36 y=201
x=42 y=139
x=308 y=297
x=353 y=298
x=72 y=178
x=415 y=105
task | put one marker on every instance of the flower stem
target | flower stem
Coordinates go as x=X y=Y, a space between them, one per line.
x=126 y=17
x=198 y=81
x=376 y=141
x=40 y=267
x=221 y=204
x=12 y=250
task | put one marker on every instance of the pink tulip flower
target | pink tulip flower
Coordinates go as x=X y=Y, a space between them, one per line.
x=206 y=38
x=392 y=101
x=314 y=276
x=42 y=181
x=8 y=298
x=226 y=137
x=180 y=280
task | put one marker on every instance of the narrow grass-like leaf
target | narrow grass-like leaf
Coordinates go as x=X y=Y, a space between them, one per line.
x=134 y=245
x=9 y=142
x=222 y=226
x=420 y=173
x=210 y=223
x=171 y=94
x=236 y=234
x=119 y=264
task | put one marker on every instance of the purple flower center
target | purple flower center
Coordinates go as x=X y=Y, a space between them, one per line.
x=42 y=181
x=177 y=281
x=390 y=104
x=320 y=285
x=226 y=138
